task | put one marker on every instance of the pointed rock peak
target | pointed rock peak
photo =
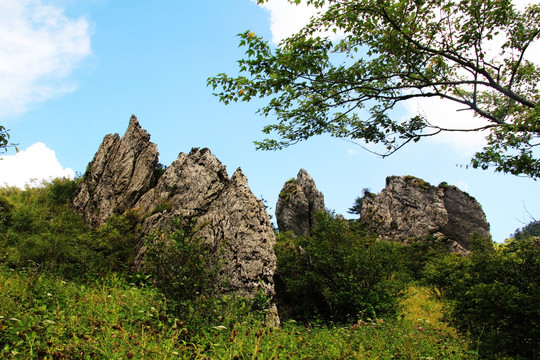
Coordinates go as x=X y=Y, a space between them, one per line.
x=120 y=173
x=135 y=130
x=239 y=178
x=297 y=202
x=303 y=174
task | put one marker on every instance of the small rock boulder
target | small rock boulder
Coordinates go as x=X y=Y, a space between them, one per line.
x=297 y=202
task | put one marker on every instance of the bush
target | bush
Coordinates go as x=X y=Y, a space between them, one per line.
x=184 y=268
x=338 y=274
x=39 y=229
x=531 y=229
x=494 y=296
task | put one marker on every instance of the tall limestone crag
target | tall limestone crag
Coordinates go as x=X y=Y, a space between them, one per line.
x=120 y=173
x=409 y=208
x=297 y=202
x=195 y=187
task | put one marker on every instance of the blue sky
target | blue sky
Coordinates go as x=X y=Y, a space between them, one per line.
x=73 y=71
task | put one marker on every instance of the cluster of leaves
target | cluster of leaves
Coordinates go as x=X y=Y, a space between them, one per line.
x=4 y=139
x=494 y=296
x=390 y=52
x=338 y=274
x=39 y=229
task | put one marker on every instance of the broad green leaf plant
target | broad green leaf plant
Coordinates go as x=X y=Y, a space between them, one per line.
x=471 y=52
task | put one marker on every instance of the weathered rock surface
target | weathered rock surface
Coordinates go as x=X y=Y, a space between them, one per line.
x=297 y=202
x=195 y=187
x=409 y=208
x=120 y=173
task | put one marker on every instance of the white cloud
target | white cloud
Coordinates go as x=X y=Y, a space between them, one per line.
x=39 y=48
x=287 y=19
x=447 y=114
x=31 y=166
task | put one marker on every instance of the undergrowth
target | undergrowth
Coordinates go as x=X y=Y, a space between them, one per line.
x=46 y=317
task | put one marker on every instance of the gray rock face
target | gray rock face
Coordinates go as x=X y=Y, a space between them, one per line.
x=297 y=202
x=120 y=173
x=409 y=208
x=465 y=216
x=195 y=187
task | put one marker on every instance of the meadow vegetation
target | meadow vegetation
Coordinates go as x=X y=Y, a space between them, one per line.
x=69 y=292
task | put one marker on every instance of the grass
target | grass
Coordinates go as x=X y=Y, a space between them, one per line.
x=46 y=317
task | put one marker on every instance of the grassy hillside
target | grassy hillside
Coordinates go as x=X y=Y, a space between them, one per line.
x=67 y=292
x=47 y=317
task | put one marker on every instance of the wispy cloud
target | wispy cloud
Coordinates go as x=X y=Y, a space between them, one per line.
x=31 y=167
x=39 y=48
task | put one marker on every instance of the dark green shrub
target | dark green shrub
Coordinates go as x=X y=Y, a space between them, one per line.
x=61 y=190
x=419 y=252
x=495 y=296
x=338 y=274
x=531 y=229
x=185 y=269
x=43 y=232
x=5 y=212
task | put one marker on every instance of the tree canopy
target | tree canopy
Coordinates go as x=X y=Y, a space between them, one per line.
x=471 y=52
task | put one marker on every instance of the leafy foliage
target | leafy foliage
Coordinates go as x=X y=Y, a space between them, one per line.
x=531 y=229
x=39 y=229
x=43 y=316
x=184 y=268
x=391 y=52
x=338 y=274
x=357 y=206
x=494 y=296
x=4 y=139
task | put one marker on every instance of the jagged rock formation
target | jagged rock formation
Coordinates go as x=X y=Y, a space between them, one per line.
x=195 y=187
x=409 y=208
x=297 y=202
x=120 y=173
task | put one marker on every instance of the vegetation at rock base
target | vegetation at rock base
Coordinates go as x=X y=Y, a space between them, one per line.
x=338 y=274
x=68 y=292
x=471 y=53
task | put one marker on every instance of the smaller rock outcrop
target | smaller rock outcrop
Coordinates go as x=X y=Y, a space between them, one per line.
x=120 y=173
x=297 y=202
x=410 y=208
